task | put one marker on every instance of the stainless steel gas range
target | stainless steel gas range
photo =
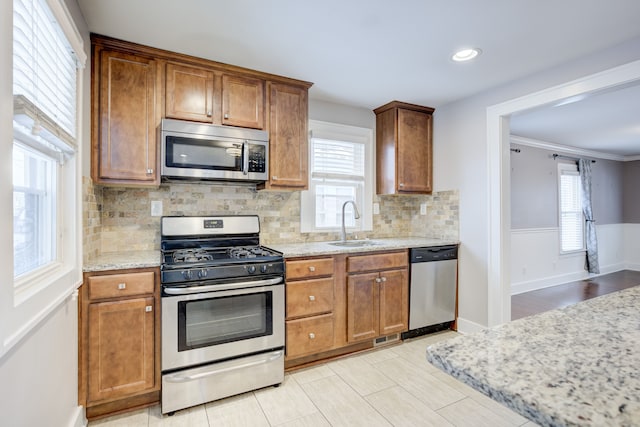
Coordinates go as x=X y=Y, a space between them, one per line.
x=222 y=310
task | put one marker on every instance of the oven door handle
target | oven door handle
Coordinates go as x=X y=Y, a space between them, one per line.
x=177 y=378
x=221 y=287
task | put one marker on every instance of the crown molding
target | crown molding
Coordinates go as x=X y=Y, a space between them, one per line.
x=564 y=149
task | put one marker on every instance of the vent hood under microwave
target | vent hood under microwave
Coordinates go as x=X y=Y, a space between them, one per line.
x=200 y=151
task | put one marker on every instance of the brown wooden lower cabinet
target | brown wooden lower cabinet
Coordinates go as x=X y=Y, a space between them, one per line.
x=119 y=341
x=377 y=295
x=341 y=304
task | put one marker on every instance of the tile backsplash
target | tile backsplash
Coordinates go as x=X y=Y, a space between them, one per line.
x=119 y=219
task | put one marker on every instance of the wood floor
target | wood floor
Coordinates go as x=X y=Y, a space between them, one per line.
x=534 y=302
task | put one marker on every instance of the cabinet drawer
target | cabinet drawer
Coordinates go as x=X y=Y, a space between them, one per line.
x=119 y=285
x=309 y=297
x=310 y=335
x=309 y=268
x=376 y=262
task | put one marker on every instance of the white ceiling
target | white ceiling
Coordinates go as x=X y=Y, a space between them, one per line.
x=366 y=53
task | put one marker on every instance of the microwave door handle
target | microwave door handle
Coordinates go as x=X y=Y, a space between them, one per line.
x=245 y=157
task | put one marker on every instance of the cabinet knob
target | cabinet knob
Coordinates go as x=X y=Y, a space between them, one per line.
x=312 y=268
x=312 y=336
x=312 y=298
x=209 y=114
x=401 y=184
x=226 y=116
x=149 y=171
x=148 y=308
x=274 y=178
x=378 y=280
x=383 y=279
x=122 y=286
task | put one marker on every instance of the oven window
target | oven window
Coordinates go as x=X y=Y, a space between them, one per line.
x=207 y=154
x=220 y=320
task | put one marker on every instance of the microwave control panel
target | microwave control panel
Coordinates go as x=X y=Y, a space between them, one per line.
x=257 y=158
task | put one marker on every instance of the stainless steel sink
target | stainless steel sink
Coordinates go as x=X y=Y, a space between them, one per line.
x=354 y=243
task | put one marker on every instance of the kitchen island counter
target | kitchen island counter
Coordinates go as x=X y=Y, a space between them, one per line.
x=575 y=366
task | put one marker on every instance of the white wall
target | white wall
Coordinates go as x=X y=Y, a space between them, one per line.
x=38 y=375
x=460 y=159
x=536 y=262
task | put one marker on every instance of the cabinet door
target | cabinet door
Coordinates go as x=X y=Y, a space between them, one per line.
x=121 y=348
x=362 y=307
x=394 y=311
x=128 y=115
x=189 y=93
x=414 y=168
x=288 y=142
x=242 y=101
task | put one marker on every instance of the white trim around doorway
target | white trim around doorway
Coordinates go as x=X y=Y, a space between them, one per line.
x=498 y=138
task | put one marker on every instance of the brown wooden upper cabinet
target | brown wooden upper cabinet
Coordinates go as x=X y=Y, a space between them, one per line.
x=126 y=113
x=134 y=86
x=288 y=139
x=242 y=101
x=189 y=93
x=202 y=95
x=404 y=149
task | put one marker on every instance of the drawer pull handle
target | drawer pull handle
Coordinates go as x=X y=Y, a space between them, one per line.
x=122 y=286
x=312 y=268
x=312 y=336
x=148 y=308
x=312 y=298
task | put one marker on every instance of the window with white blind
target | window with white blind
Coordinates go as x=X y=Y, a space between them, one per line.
x=340 y=169
x=45 y=162
x=570 y=208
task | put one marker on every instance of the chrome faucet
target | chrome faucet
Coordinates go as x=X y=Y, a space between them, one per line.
x=343 y=237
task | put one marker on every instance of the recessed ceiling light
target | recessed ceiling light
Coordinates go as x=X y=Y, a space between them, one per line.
x=466 y=54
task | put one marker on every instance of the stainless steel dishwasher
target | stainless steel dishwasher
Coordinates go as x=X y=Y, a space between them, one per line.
x=432 y=289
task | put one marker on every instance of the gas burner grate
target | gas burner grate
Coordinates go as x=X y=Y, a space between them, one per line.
x=191 y=255
x=248 y=252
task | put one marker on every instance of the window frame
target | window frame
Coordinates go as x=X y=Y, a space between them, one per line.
x=339 y=132
x=569 y=169
x=40 y=292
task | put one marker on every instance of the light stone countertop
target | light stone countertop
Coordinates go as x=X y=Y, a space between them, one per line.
x=575 y=366
x=123 y=260
x=325 y=248
x=144 y=259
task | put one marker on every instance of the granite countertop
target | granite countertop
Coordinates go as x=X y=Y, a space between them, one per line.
x=123 y=260
x=575 y=366
x=143 y=259
x=325 y=248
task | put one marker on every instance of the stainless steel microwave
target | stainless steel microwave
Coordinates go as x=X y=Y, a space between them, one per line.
x=199 y=151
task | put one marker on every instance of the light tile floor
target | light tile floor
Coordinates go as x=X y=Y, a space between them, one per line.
x=392 y=386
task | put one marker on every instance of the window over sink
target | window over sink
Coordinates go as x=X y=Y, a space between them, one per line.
x=340 y=169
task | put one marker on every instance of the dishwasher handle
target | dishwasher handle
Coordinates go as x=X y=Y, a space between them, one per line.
x=434 y=253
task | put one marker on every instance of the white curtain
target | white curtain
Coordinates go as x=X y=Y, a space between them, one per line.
x=591 y=263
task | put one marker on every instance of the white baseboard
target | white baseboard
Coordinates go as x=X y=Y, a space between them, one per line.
x=632 y=266
x=533 y=285
x=468 y=327
x=78 y=419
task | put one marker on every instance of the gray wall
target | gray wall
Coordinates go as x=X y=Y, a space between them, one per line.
x=534 y=189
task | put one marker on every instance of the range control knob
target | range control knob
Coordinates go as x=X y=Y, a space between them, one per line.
x=187 y=274
x=264 y=268
x=202 y=273
x=251 y=269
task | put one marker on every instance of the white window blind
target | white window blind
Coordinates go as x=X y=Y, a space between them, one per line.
x=570 y=204
x=44 y=68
